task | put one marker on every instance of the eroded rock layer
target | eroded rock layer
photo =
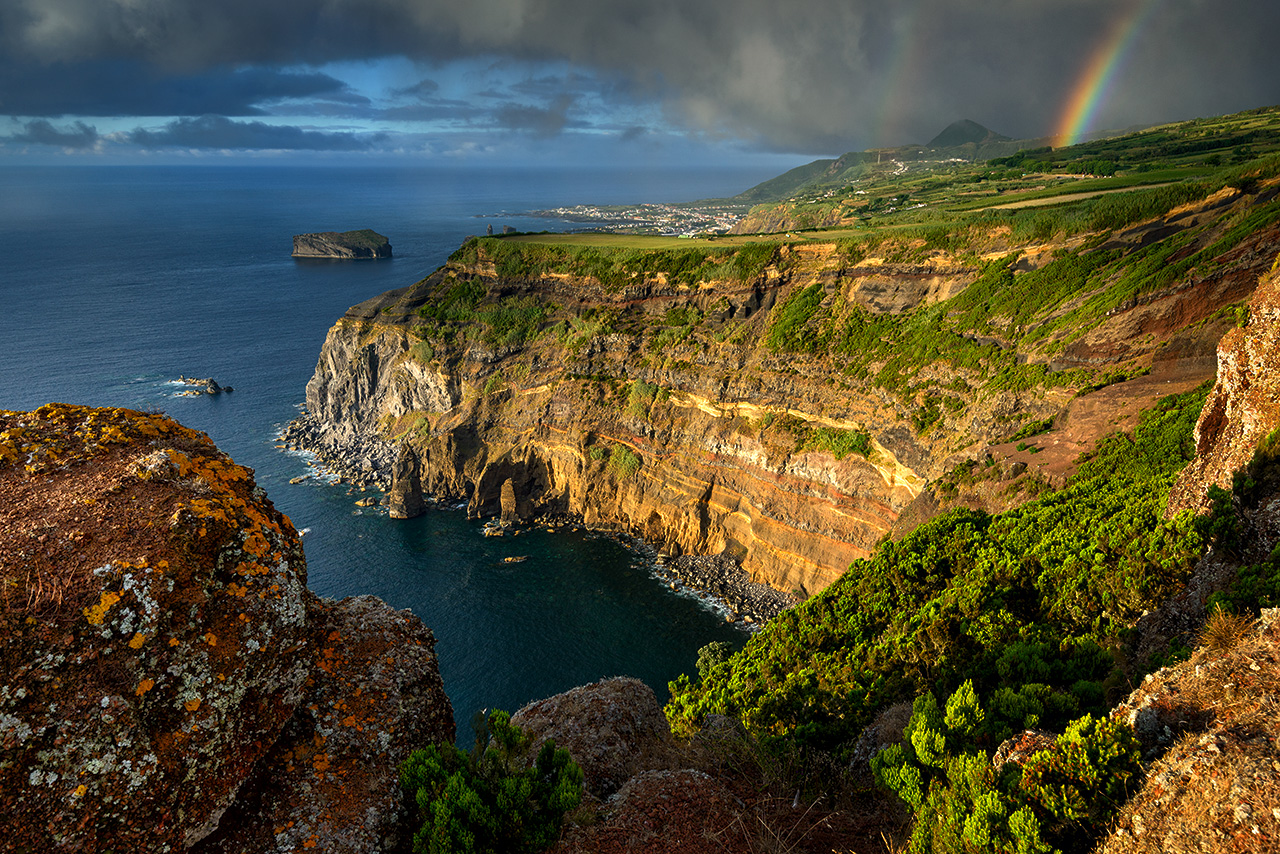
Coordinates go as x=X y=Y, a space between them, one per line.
x=1244 y=405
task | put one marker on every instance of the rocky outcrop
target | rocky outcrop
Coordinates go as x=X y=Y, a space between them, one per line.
x=364 y=243
x=405 y=495
x=614 y=729
x=163 y=664
x=1244 y=405
x=1210 y=725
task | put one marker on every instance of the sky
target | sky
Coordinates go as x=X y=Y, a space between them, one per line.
x=568 y=82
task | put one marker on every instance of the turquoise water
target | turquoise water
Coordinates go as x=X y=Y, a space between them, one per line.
x=118 y=279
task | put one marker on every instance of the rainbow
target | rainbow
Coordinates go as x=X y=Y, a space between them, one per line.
x=1101 y=71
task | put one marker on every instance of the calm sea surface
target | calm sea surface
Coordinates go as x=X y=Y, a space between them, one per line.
x=115 y=280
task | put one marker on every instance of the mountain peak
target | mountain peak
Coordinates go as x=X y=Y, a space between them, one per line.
x=962 y=132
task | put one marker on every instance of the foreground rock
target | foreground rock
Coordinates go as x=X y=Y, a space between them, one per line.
x=614 y=729
x=364 y=243
x=1214 y=724
x=374 y=696
x=162 y=657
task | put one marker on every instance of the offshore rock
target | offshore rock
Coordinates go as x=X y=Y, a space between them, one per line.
x=1244 y=405
x=405 y=495
x=364 y=243
x=159 y=639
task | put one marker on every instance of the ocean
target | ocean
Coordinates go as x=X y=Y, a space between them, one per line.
x=119 y=279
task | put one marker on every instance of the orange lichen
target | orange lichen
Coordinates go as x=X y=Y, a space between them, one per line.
x=256 y=544
x=210 y=638
x=137 y=641
x=98 y=613
x=144 y=686
x=192 y=705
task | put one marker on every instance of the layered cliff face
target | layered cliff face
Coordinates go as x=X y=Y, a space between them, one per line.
x=163 y=664
x=784 y=403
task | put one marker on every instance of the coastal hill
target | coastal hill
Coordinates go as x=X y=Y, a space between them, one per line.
x=965 y=132
x=364 y=243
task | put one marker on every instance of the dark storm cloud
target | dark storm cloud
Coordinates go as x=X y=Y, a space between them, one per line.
x=539 y=121
x=806 y=75
x=130 y=87
x=222 y=133
x=423 y=89
x=41 y=132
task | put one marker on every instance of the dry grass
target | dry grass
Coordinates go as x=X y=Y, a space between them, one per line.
x=1223 y=630
x=1217 y=789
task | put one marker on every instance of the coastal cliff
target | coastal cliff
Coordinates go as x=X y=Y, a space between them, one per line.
x=788 y=403
x=364 y=243
x=168 y=682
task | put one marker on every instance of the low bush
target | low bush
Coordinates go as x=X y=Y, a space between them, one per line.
x=1059 y=800
x=492 y=799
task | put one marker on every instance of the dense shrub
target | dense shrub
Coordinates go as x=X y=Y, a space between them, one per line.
x=1058 y=800
x=491 y=799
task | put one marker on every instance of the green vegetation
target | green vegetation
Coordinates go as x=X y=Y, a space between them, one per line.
x=615 y=266
x=1028 y=604
x=364 y=238
x=492 y=800
x=640 y=397
x=839 y=443
x=1256 y=585
x=513 y=321
x=422 y=352
x=1060 y=799
x=623 y=461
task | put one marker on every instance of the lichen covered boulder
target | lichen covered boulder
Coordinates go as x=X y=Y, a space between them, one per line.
x=155 y=633
x=166 y=679
x=332 y=780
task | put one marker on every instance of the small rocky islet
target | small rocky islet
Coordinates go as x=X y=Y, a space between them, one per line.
x=364 y=243
x=198 y=386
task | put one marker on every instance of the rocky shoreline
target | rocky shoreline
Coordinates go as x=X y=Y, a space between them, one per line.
x=722 y=579
x=363 y=461
x=367 y=462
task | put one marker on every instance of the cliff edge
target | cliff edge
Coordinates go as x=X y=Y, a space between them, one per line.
x=786 y=403
x=166 y=679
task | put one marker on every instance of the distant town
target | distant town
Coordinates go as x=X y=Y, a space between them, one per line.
x=688 y=220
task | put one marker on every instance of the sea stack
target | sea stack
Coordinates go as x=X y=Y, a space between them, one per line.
x=364 y=243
